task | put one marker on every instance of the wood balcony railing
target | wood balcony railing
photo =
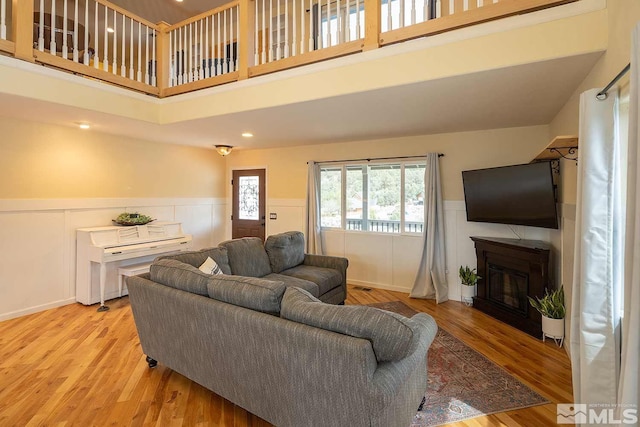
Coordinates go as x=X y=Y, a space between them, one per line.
x=240 y=40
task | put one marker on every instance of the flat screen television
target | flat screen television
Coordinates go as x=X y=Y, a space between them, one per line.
x=519 y=195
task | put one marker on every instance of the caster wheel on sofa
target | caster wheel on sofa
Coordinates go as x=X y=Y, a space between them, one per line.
x=152 y=362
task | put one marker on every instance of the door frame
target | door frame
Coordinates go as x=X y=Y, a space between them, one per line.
x=229 y=202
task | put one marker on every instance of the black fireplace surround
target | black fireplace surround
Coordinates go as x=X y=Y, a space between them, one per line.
x=510 y=270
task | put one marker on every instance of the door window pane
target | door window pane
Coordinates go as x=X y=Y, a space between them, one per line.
x=249 y=192
x=384 y=198
x=331 y=198
x=413 y=198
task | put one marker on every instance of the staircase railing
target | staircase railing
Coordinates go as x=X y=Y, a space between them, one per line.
x=239 y=40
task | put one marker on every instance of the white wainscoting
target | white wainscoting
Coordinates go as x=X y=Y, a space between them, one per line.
x=390 y=261
x=38 y=243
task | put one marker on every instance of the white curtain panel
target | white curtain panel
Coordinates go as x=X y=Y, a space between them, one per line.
x=629 y=377
x=313 y=228
x=595 y=319
x=431 y=281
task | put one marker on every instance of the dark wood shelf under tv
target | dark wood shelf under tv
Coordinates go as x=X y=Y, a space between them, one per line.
x=511 y=270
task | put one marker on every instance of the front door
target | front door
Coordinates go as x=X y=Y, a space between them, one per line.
x=248 y=218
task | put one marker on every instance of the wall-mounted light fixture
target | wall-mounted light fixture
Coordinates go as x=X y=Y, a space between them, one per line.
x=224 y=150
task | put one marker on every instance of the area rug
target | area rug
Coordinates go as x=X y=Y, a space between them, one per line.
x=462 y=383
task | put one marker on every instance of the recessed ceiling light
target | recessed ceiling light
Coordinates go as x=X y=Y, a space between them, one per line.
x=247 y=134
x=110 y=30
x=179 y=1
x=84 y=126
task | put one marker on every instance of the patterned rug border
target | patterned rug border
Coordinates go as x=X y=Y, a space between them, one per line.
x=405 y=310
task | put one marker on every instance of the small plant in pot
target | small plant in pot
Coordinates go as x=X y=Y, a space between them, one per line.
x=551 y=307
x=469 y=278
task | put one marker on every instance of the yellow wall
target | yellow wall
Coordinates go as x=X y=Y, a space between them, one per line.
x=622 y=17
x=42 y=161
x=287 y=167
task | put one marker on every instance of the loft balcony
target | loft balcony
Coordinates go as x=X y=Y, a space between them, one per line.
x=471 y=65
x=239 y=40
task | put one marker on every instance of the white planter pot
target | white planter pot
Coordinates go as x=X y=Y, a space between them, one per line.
x=467 y=293
x=554 y=329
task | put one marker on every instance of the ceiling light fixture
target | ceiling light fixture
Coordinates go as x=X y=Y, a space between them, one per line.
x=84 y=126
x=224 y=150
x=247 y=134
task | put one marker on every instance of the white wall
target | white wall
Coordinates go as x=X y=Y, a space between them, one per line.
x=38 y=244
x=390 y=261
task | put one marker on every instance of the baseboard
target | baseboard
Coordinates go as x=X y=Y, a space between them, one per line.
x=378 y=286
x=36 y=309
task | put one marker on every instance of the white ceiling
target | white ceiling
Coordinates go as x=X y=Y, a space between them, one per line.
x=524 y=95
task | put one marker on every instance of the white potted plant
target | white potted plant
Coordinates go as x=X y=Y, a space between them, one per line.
x=551 y=307
x=469 y=278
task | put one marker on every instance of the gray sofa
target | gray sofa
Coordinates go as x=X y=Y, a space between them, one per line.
x=281 y=258
x=281 y=353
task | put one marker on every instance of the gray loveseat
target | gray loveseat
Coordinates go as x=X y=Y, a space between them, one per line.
x=281 y=258
x=281 y=353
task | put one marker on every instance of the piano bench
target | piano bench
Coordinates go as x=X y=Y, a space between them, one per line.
x=130 y=270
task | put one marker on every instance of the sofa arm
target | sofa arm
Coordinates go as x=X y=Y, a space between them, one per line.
x=403 y=382
x=334 y=262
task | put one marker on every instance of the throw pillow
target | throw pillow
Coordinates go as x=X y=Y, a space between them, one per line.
x=210 y=267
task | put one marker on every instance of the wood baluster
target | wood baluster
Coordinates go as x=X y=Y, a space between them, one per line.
x=123 y=48
x=131 y=49
x=278 y=26
x=242 y=52
x=225 y=63
x=105 y=59
x=139 y=75
x=75 y=33
x=52 y=40
x=264 y=34
x=114 y=65
x=302 y=26
x=154 y=65
x=232 y=64
x=219 y=56
x=41 y=27
x=207 y=69
x=65 y=47
x=146 y=53
x=286 y=28
x=200 y=64
x=86 y=33
x=190 y=54
x=96 y=44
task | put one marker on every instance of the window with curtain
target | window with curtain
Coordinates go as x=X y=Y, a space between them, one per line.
x=373 y=197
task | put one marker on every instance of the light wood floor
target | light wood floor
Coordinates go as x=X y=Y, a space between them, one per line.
x=75 y=366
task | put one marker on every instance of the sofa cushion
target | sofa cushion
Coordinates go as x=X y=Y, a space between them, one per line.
x=285 y=250
x=210 y=267
x=308 y=286
x=247 y=257
x=392 y=336
x=196 y=258
x=325 y=278
x=179 y=275
x=249 y=292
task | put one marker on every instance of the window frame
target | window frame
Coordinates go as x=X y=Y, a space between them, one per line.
x=365 y=165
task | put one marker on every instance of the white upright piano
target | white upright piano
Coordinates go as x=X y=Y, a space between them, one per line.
x=101 y=247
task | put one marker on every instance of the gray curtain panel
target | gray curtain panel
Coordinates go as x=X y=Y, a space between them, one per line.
x=313 y=228
x=431 y=282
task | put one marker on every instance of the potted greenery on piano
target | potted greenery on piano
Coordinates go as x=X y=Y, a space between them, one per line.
x=551 y=307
